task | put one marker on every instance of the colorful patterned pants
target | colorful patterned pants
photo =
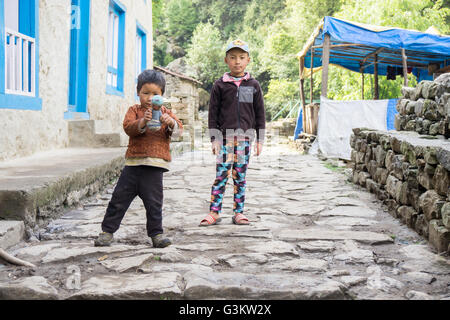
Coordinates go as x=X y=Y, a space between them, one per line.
x=233 y=158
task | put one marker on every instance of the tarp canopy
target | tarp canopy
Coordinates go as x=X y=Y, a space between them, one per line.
x=353 y=45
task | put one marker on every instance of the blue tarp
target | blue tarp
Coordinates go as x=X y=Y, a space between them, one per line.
x=421 y=48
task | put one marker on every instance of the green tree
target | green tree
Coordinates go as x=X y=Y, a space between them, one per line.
x=206 y=54
x=181 y=19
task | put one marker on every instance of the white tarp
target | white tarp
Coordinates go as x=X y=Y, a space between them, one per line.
x=338 y=118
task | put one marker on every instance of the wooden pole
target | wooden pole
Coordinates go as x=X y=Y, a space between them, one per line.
x=302 y=89
x=375 y=78
x=325 y=64
x=405 y=68
x=311 y=78
x=362 y=81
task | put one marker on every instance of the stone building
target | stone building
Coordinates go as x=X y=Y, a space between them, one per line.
x=184 y=99
x=68 y=71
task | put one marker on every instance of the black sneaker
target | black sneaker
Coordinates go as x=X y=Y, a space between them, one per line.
x=160 y=242
x=104 y=239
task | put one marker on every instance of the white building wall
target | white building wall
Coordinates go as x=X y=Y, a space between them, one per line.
x=103 y=106
x=25 y=132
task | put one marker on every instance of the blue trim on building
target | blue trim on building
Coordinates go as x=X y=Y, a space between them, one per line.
x=18 y=102
x=71 y=115
x=79 y=59
x=26 y=17
x=119 y=9
x=143 y=33
x=14 y=101
x=112 y=91
x=2 y=49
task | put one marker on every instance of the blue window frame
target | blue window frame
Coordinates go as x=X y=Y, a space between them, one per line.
x=79 y=59
x=19 y=55
x=141 y=50
x=116 y=48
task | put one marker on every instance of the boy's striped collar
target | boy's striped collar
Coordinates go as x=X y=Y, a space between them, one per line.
x=228 y=78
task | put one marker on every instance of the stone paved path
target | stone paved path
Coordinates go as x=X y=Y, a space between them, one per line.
x=313 y=235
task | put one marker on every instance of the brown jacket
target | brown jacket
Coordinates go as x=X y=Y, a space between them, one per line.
x=154 y=144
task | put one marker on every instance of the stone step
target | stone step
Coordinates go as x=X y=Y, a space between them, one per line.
x=93 y=133
x=11 y=233
x=33 y=189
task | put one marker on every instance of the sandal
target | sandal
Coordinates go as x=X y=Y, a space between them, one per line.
x=211 y=221
x=240 y=219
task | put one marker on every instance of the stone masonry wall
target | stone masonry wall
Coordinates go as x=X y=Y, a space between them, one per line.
x=409 y=169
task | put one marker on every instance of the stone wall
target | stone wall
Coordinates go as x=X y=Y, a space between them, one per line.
x=407 y=170
x=425 y=109
x=182 y=92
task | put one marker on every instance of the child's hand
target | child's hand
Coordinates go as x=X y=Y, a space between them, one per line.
x=216 y=147
x=148 y=115
x=258 y=148
x=168 y=120
x=146 y=119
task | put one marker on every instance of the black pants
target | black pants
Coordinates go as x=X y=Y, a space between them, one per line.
x=145 y=182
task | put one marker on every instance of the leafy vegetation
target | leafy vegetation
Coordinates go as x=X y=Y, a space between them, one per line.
x=199 y=30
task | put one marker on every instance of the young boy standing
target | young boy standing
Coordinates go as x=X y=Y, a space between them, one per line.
x=236 y=112
x=147 y=158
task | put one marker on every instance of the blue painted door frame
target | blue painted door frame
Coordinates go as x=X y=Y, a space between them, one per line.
x=79 y=58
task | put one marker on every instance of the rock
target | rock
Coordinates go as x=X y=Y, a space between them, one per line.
x=236 y=285
x=421 y=225
x=445 y=213
x=345 y=221
x=349 y=211
x=307 y=265
x=424 y=179
x=416 y=277
x=431 y=156
x=131 y=286
x=35 y=250
x=392 y=185
x=417 y=295
x=317 y=246
x=443 y=157
x=236 y=260
x=352 y=280
x=430 y=203
x=66 y=253
x=127 y=263
x=441 y=180
x=408 y=215
x=204 y=261
x=30 y=288
x=337 y=273
x=175 y=267
x=407 y=92
x=356 y=256
x=324 y=234
x=377 y=281
x=430 y=110
x=11 y=233
x=439 y=236
x=273 y=247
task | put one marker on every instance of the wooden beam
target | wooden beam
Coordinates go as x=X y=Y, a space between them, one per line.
x=340 y=45
x=375 y=78
x=375 y=53
x=405 y=68
x=325 y=64
x=361 y=70
x=443 y=70
x=311 y=81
